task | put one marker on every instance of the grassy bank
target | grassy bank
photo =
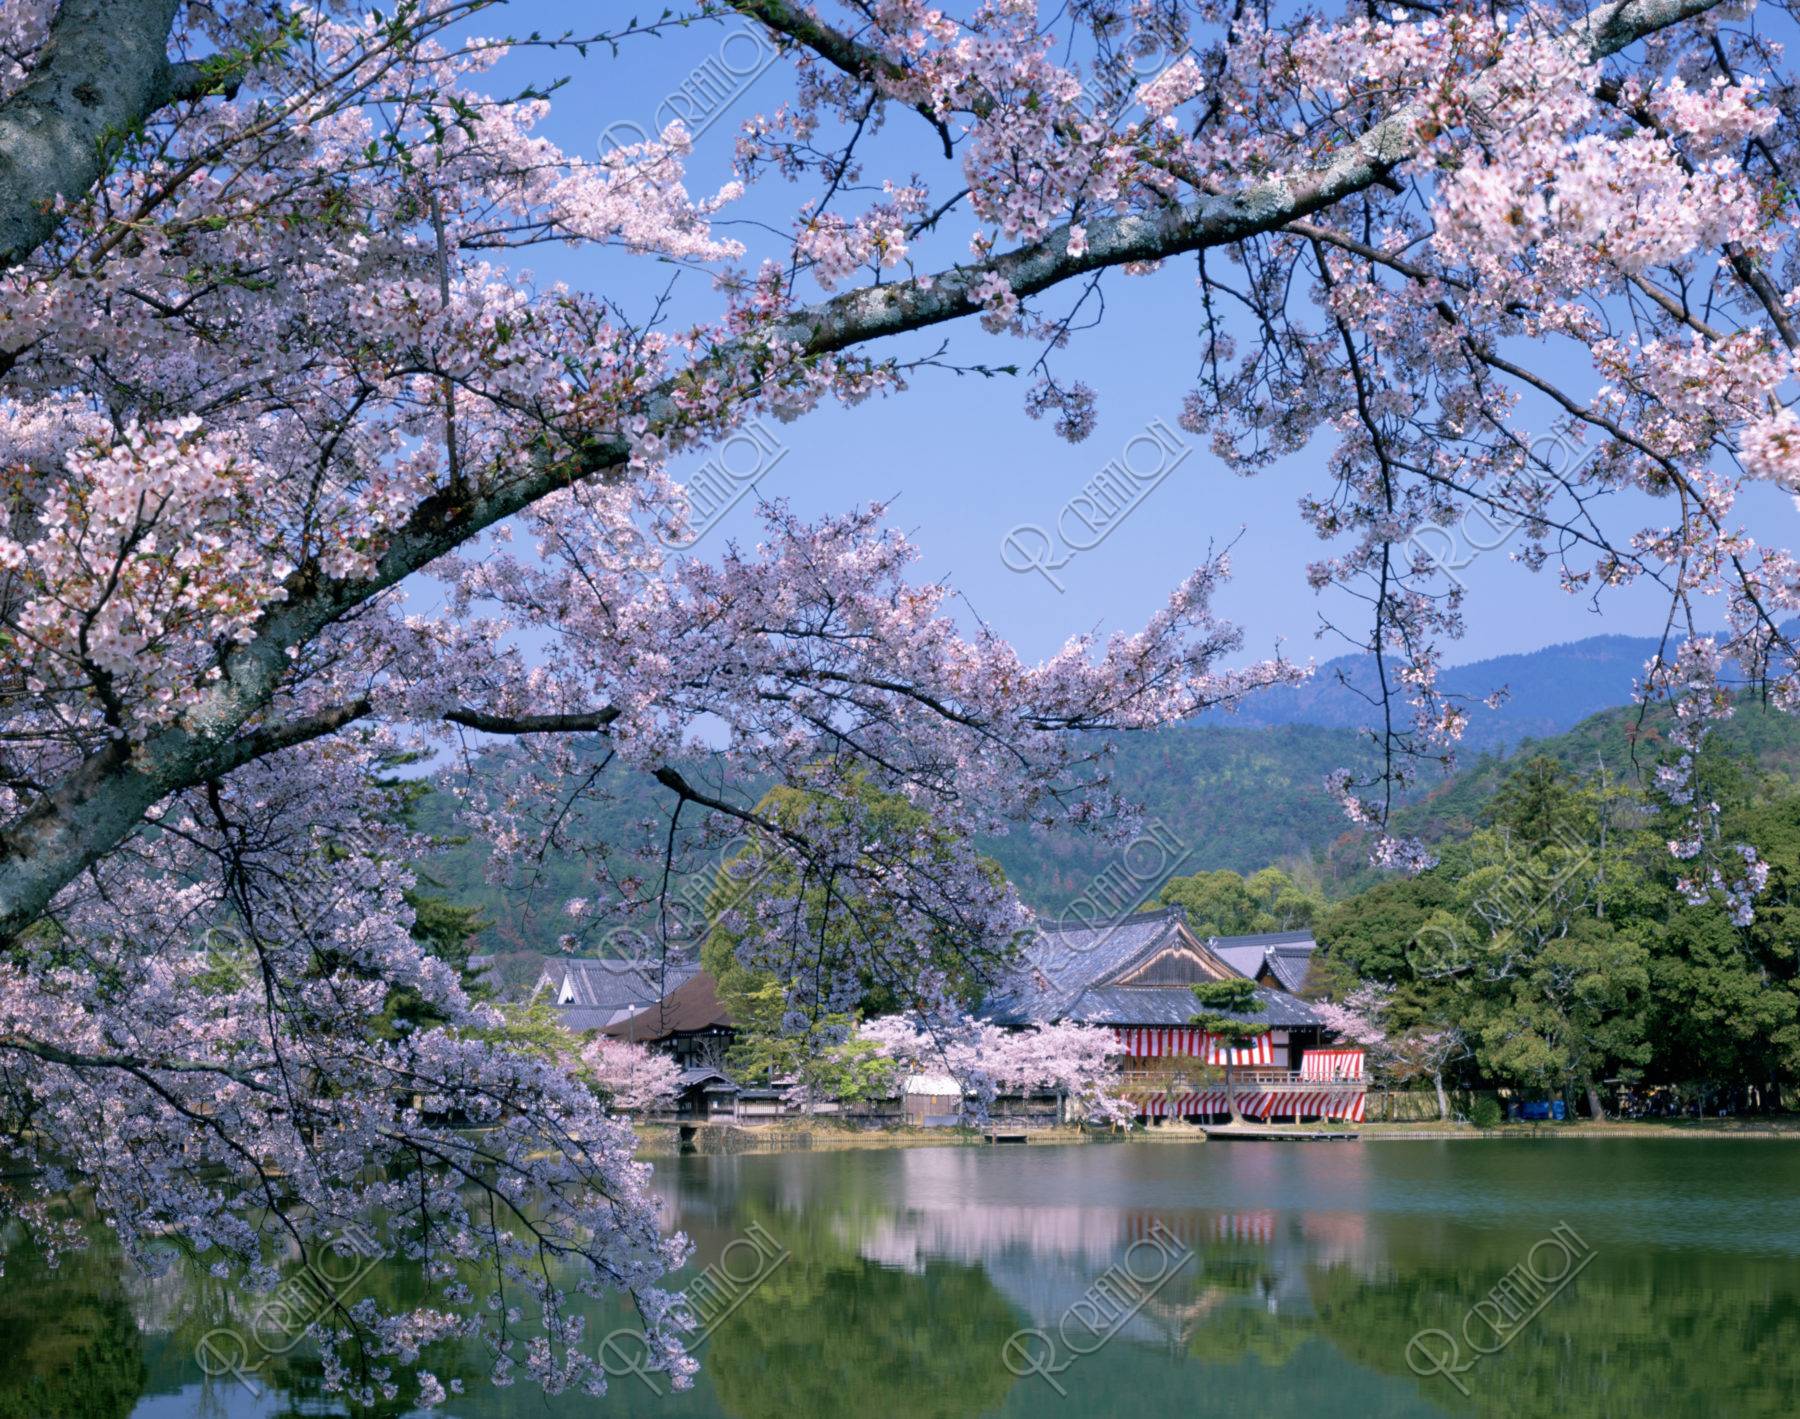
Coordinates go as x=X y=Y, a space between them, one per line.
x=663 y=1140
x=1779 y=1126
x=826 y=1134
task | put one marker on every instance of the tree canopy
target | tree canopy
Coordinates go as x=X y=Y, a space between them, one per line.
x=1558 y=945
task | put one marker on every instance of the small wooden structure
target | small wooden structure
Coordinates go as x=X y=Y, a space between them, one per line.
x=931 y=1100
x=760 y=1103
x=705 y=1094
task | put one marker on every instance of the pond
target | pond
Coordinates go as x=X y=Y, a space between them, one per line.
x=1508 y=1278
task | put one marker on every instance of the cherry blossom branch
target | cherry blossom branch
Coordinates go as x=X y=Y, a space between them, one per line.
x=103 y=800
x=488 y=723
x=837 y=48
x=135 y=1065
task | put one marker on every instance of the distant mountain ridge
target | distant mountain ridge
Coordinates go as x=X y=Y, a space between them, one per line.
x=1548 y=691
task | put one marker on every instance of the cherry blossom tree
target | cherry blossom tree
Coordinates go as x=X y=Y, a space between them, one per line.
x=1360 y=1019
x=1075 y=1061
x=1423 y=1051
x=268 y=352
x=634 y=1078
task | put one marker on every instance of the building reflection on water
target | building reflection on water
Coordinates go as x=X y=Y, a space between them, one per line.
x=1304 y=1273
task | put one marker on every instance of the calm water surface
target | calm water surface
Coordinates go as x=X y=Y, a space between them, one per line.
x=1122 y=1280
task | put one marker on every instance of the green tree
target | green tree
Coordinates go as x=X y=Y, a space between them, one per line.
x=1717 y=1015
x=1224 y=1003
x=1372 y=935
x=447 y=930
x=1725 y=998
x=534 y=1027
x=1540 y=803
x=1224 y=904
x=1575 y=1014
x=823 y=1060
x=1556 y=993
x=1217 y=903
x=1281 y=901
x=832 y=918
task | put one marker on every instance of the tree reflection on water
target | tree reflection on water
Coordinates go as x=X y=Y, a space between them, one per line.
x=906 y=1273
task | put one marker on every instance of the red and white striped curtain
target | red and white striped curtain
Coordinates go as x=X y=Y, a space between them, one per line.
x=1332 y=1064
x=1195 y=1104
x=1165 y=1041
x=1297 y=1104
x=1265 y=1104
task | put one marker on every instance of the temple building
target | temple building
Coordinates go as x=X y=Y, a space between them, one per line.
x=690 y=1024
x=591 y=994
x=1135 y=976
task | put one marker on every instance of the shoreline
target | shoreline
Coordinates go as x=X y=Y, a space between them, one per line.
x=816 y=1135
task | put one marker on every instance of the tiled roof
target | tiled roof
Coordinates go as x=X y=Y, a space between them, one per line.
x=574 y=1017
x=1064 y=961
x=1074 y=953
x=1291 y=964
x=599 y=993
x=1175 y=1005
x=692 y=1005
x=1270 y=938
x=1287 y=953
x=1245 y=960
x=1065 y=974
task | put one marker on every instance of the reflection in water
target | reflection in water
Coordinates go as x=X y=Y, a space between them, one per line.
x=68 y=1339
x=907 y=1272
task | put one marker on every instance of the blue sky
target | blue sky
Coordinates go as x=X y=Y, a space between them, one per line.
x=963 y=464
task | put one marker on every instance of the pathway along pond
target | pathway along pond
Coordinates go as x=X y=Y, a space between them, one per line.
x=1574 y=1278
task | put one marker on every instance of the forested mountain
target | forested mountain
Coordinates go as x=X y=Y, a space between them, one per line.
x=1244 y=798
x=1244 y=791
x=1231 y=796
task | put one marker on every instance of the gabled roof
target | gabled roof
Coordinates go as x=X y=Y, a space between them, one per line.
x=1065 y=960
x=591 y=994
x=1291 y=965
x=1286 y=954
x=693 y=1005
x=1070 y=954
x=1138 y=971
x=710 y=1078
